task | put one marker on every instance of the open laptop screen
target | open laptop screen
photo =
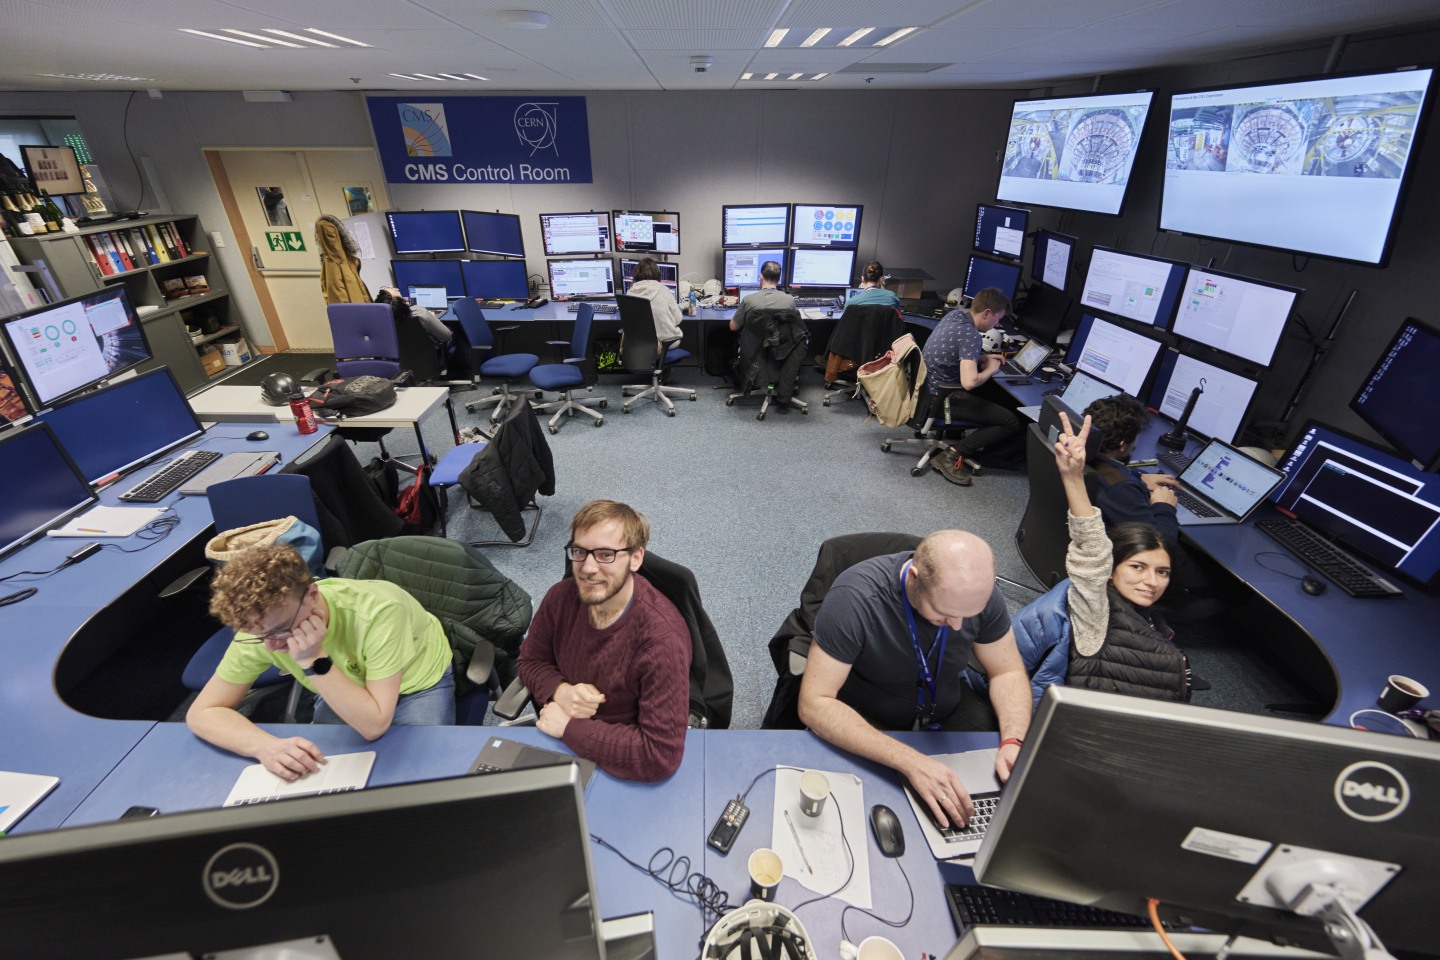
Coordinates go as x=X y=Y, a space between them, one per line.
x=431 y=298
x=1230 y=478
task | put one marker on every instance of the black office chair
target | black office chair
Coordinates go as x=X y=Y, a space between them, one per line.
x=863 y=333
x=1043 y=536
x=772 y=349
x=935 y=434
x=642 y=354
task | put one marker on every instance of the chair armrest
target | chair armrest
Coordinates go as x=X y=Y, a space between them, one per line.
x=333 y=558
x=799 y=654
x=482 y=662
x=487 y=346
x=513 y=701
x=405 y=378
x=185 y=581
x=944 y=386
x=574 y=360
x=316 y=376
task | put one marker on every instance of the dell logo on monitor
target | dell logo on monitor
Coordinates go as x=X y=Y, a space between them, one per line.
x=241 y=876
x=1372 y=791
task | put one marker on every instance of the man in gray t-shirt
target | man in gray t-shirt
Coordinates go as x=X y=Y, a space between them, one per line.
x=768 y=297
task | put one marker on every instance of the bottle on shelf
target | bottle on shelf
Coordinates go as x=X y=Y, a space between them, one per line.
x=15 y=221
x=53 y=213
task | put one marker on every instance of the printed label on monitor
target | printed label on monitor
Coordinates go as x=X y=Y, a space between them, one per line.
x=1217 y=844
x=1057 y=263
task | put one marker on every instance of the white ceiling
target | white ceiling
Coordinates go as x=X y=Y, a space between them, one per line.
x=646 y=44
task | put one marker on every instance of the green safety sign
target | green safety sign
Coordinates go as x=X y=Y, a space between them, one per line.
x=283 y=241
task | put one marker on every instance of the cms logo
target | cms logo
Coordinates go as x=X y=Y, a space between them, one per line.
x=1372 y=791
x=241 y=876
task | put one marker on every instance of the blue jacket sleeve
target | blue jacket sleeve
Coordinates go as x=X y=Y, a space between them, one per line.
x=1129 y=502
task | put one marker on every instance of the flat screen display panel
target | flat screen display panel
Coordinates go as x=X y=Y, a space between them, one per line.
x=652 y=231
x=581 y=278
x=76 y=343
x=564 y=233
x=430 y=273
x=1053 y=253
x=497 y=233
x=742 y=267
x=821 y=268
x=1000 y=230
x=825 y=225
x=1314 y=166
x=983 y=273
x=39 y=484
x=1073 y=152
x=431 y=298
x=1084 y=390
x=1399 y=398
x=1112 y=353
x=669 y=275
x=1133 y=286
x=1237 y=315
x=55 y=170
x=429 y=231
x=1225 y=397
x=756 y=224
x=496 y=279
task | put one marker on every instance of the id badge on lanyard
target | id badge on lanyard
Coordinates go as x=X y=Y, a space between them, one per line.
x=925 y=681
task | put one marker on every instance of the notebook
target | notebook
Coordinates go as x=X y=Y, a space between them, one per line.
x=103 y=521
x=337 y=774
x=19 y=792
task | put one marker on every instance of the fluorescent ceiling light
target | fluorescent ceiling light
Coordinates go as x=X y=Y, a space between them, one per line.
x=427 y=76
x=218 y=36
x=336 y=36
x=296 y=36
x=256 y=36
x=401 y=76
x=524 y=19
x=476 y=76
x=743 y=76
x=855 y=36
x=895 y=36
x=815 y=37
x=796 y=76
x=820 y=76
x=771 y=76
x=96 y=77
x=451 y=76
x=776 y=36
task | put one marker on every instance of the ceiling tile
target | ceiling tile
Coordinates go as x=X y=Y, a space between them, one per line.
x=863 y=13
x=695 y=14
x=481 y=14
x=1045 y=14
x=697 y=41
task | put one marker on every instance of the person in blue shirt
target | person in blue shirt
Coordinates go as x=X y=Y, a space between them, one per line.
x=872 y=288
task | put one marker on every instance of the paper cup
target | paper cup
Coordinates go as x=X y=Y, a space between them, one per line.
x=871 y=948
x=1401 y=693
x=765 y=873
x=814 y=791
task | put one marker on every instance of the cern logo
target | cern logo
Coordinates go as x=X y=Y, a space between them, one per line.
x=536 y=127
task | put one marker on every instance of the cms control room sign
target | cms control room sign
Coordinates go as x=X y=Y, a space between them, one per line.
x=510 y=140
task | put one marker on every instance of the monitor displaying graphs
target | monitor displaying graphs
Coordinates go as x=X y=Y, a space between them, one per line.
x=1073 y=152
x=1312 y=166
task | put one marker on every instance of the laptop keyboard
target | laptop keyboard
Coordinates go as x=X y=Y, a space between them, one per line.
x=817 y=301
x=292 y=796
x=1195 y=505
x=163 y=482
x=985 y=804
x=599 y=308
x=487 y=768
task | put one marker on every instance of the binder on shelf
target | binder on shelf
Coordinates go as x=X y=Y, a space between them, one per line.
x=101 y=261
x=155 y=241
x=149 y=247
x=179 y=241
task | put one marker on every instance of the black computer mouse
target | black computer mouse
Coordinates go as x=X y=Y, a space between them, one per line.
x=888 y=834
x=257 y=435
x=1313 y=586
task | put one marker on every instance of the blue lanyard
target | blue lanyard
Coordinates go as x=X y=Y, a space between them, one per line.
x=926 y=679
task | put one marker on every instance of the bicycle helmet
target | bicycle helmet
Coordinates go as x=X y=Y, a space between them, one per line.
x=278 y=388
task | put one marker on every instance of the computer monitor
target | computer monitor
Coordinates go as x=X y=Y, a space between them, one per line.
x=1073 y=152
x=825 y=224
x=431 y=298
x=1220 y=411
x=1134 y=286
x=1234 y=314
x=1113 y=353
x=1399 y=399
x=1084 y=389
x=1317 y=166
x=77 y=343
x=112 y=431
x=755 y=224
x=821 y=268
x=427 y=231
x=1053 y=254
x=983 y=273
x=40 y=486
x=13 y=403
x=426 y=881
x=497 y=233
x=55 y=170
x=496 y=279
x=1000 y=230
x=669 y=275
x=639 y=231
x=581 y=278
x=564 y=233
x=430 y=273
x=1044 y=312
x=1116 y=799
x=742 y=267
x=1377 y=505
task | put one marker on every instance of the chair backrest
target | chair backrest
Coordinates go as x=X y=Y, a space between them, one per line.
x=472 y=321
x=246 y=500
x=1044 y=535
x=1050 y=411
x=366 y=343
x=580 y=336
x=641 y=343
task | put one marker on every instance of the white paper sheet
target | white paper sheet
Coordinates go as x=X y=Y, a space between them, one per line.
x=360 y=231
x=823 y=847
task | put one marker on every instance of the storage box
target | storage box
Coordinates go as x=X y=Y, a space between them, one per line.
x=234 y=352
x=174 y=289
x=211 y=360
x=197 y=284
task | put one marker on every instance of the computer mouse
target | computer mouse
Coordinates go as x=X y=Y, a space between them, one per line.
x=888 y=835
x=1313 y=586
x=257 y=435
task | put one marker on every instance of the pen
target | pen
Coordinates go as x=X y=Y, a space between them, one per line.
x=89 y=530
x=796 y=835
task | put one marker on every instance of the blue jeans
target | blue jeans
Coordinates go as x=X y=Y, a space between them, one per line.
x=431 y=707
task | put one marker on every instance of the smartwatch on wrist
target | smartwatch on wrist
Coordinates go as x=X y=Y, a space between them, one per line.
x=320 y=667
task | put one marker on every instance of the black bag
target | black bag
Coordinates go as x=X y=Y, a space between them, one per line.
x=419 y=506
x=353 y=397
x=385 y=478
x=721 y=349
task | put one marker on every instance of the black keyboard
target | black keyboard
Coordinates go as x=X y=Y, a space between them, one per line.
x=817 y=301
x=599 y=308
x=493 y=304
x=1195 y=505
x=163 y=482
x=1333 y=563
x=986 y=906
x=1175 y=461
x=985 y=804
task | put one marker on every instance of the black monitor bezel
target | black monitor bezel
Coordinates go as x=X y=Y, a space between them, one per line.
x=30 y=171
x=1174 y=307
x=402 y=287
x=1294 y=304
x=550 y=275
x=784 y=243
x=1155 y=385
x=21 y=389
x=9 y=436
x=1379 y=362
x=794 y=221
x=1000 y=206
x=496 y=253
x=609 y=227
x=39 y=403
x=1035 y=260
x=614 y=240
x=790 y=269
x=1017 y=264
x=390 y=229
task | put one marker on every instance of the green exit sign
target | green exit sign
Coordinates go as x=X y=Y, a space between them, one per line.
x=286 y=241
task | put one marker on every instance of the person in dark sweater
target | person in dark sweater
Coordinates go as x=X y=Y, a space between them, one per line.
x=607 y=658
x=1127 y=496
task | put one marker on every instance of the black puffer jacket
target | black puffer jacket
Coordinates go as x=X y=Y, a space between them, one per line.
x=865 y=331
x=772 y=350
x=1137 y=659
x=505 y=476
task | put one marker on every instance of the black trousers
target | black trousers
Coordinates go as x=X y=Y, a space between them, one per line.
x=998 y=422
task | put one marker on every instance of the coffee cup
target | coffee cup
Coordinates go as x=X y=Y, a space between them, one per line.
x=766 y=870
x=871 y=948
x=1047 y=373
x=1401 y=693
x=814 y=791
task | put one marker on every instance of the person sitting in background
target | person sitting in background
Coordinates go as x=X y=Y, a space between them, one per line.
x=663 y=304
x=405 y=312
x=1126 y=495
x=768 y=297
x=607 y=658
x=872 y=289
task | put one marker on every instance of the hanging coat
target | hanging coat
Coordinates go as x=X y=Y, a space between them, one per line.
x=339 y=263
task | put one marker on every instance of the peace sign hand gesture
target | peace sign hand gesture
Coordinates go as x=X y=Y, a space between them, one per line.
x=1070 y=448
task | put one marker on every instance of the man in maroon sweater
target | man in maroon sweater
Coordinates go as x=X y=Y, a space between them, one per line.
x=607 y=657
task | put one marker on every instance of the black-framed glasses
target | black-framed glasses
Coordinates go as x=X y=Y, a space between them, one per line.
x=601 y=555
x=280 y=634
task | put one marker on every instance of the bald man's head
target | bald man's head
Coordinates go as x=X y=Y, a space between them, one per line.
x=955 y=572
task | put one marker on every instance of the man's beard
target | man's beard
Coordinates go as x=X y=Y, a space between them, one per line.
x=595 y=603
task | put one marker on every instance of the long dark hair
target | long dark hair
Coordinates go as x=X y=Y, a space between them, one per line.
x=1128 y=539
x=646 y=270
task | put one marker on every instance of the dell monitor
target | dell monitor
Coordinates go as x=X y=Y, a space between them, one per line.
x=1117 y=799
x=821 y=268
x=646 y=231
x=428 y=231
x=430 y=273
x=1000 y=230
x=1236 y=315
x=1133 y=286
x=1220 y=411
x=496 y=279
x=1073 y=152
x=669 y=275
x=494 y=233
x=567 y=233
x=1399 y=400
x=1053 y=253
x=1317 y=167
x=984 y=273
x=55 y=170
x=755 y=225
x=77 y=343
x=1112 y=353
x=1084 y=389
x=742 y=267
x=582 y=278
x=825 y=225
x=40 y=486
x=13 y=403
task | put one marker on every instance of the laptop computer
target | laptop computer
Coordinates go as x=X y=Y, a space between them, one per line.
x=976 y=769
x=229 y=467
x=338 y=773
x=500 y=755
x=431 y=297
x=1077 y=395
x=1222 y=485
x=1026 y=359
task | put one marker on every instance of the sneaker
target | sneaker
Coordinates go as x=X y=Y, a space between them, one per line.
x=955 y=468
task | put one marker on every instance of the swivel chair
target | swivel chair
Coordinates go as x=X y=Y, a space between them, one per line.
x=934 y=434
x=508 y=367
x=366 y=345
x=772 y=347
x=642 y=354
x=577 y=370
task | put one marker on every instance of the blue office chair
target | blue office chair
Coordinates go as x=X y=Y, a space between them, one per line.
x=578 y=370
x=488 y=358
x=366 y=343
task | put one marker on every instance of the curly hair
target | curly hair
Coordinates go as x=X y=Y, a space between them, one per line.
x=1120 y=419
x=256 y=582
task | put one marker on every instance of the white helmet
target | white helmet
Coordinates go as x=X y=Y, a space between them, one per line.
x=994 y=340
x=953 y=298
x=730 y=938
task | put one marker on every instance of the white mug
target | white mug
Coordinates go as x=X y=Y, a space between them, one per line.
x=814 y=791
x=871 y=948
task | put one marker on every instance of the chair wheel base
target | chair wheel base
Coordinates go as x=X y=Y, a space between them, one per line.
x=625 y=409
x=759 y=416
x=826 y=403
x=599 y=421
x=603 y=403
x=804 y=411
x=624 y=393
x=669 y=413
x=693 y=398
x=884 y=448
x=554 y=430
x=729 y=402
x=917 y=471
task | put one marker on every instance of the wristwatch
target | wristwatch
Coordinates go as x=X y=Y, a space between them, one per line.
x=320 y=667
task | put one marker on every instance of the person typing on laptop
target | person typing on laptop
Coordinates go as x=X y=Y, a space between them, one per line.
x=369 y=652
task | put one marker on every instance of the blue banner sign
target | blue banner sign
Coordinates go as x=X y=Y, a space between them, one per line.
x=522 y=140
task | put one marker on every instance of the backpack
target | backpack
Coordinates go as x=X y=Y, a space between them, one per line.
x=384 y=476
x=353 y=397
x=418 y=506
x=893 y=382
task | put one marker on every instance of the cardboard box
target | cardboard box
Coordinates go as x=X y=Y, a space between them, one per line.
x=211 y=360
x=234 y=352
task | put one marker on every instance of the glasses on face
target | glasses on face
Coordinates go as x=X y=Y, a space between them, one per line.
x=602 y=555
x=280 y=634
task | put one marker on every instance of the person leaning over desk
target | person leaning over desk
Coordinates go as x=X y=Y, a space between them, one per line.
x=369 y=652
x=891 y=639
x=872 y=290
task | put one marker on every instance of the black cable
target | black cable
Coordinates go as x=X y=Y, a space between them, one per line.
x=763 y=773
x=897 y=924
x=125 y=129
x=19 y=595
x=38 y=573
x=153 y=532
x=1287 y=556
x=850 y=854
x=690 y=884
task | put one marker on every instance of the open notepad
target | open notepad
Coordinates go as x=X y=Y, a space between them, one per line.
x=103 y=521
x=19 y=792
